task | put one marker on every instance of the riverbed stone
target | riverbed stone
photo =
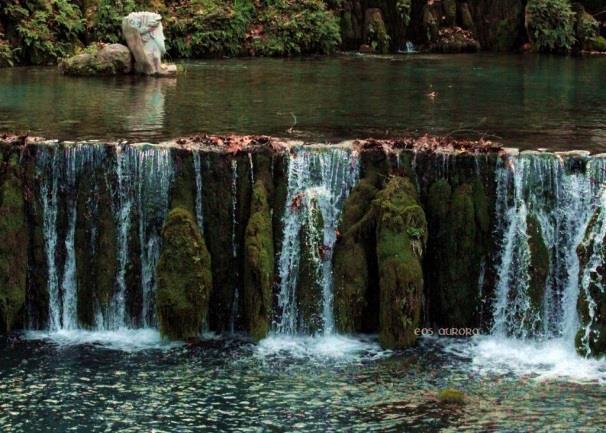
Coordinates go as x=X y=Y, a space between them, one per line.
x=184 y=277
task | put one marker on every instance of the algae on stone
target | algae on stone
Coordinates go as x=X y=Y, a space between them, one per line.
x=184 y=278
x=259 y=264
x=401 y=238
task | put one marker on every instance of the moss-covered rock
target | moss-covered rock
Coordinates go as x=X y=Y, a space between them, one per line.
x=309 y=282
x=350 y=262
x=586 y=27
x=184 y=277
x=459 y=224
x=259 y=264
x=401 y=238
x=13 y=247
x=451 y=396
x=114 y=59
x=375 y=32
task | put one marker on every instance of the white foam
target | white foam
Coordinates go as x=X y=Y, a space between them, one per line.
x=554 y=359
x=127 y=340
x=323 y=347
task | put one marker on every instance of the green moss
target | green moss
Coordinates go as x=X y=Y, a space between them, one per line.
x=598 y=43
x=259 y=264
x=401 y=238
x=13 y=249
x=586 y=27
x=184 y=277
x=451 y=396
x=450 y=11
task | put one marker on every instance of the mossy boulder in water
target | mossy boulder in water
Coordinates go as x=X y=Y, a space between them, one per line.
x=184 y=278
x=13 y=248
x=401 y=237
x=259 y=264
x=113 y=59
x=350 y=264
x=591 y=305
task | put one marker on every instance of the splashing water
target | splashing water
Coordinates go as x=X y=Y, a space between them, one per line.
x=325 y=177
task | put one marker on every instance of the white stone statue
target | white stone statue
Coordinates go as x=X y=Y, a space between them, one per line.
x=145 y=38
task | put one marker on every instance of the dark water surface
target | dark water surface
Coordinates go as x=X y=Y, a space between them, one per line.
x=528 y=101
x=285 y=385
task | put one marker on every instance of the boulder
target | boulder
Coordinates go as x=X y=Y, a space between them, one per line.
x=113 y=59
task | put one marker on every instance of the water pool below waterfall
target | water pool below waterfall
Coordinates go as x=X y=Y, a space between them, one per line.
x=293 y=384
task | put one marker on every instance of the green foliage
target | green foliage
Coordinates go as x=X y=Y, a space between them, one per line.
x=6 y=53
x=208 y=28
x=296 y=27
x=106 y=25
x=550 y=25
x=43 y=31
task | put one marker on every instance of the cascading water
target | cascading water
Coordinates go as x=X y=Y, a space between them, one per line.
x=153 y=175
x=234 y=247
x=317 y=179
x=545 y=191
x=198 y=174
x=143 y=180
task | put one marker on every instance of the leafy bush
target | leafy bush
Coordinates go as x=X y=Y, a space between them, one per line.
x=106 y=24
x=6 y=53
x=404 y=8
x=209 y=28
x=292 y=27
x=550 y=24
x=44 y=31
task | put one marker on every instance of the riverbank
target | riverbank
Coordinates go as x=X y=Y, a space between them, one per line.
x=43 y=32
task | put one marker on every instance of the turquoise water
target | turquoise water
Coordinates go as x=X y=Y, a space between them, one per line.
x=523 y=101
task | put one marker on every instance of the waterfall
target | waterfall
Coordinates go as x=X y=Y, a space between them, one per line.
x=560 y=198
x=324 y=177
x=153 y=175
x=198 y=173
x=49 y=197
x=234 y=246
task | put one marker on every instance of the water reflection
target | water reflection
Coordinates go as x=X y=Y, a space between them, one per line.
x=146 y=111
x=528 y=101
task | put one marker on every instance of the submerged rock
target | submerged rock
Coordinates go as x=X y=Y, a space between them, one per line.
x=401 y=239
x=13 y=246
x=259 y=264
x=113 y=59
x=184 y=278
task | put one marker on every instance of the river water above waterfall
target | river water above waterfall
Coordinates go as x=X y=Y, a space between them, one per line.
x=529 y=101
